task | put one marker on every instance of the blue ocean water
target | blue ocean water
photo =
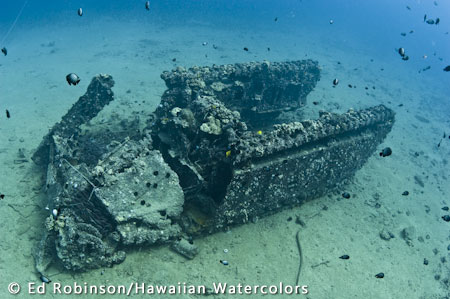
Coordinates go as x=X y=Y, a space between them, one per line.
x=372 y=26
x=122 y=38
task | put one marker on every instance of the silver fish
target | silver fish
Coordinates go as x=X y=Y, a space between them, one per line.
x=44 y=279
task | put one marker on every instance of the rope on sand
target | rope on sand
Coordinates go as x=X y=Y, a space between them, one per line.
x=301 y=256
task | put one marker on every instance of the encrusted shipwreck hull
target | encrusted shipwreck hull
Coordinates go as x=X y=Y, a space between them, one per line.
x=233 y=171
x=299 y=161
x=216 y=154
x=258 y=91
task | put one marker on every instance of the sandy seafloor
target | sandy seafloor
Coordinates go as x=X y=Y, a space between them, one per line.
x=264 y=252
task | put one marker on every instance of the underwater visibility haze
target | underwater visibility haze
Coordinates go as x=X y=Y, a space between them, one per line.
x=225 y=148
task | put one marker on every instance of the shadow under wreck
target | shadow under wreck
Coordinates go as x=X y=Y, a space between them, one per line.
x=215 y=154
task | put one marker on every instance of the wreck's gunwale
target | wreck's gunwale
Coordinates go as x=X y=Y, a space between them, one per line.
x=357 y=120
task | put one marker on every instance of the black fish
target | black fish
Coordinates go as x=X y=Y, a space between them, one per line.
x=8 y=115
x=425 y=69
x=72 y=79
x=2 y=196
x=447 y=68
x=276 y=19
x=268 y=49
x=403 y=34
x=443 y=138
x=405 y=58
x=411 y=31
x=437 y=21
x=409 y=8
x=335 y=82
x=147 y=5
x=246 y=49
x=344 y=257
x=380 y=275
x=387 y=151
x=430 y=21
x=446 y=218
x=80 y=11
x=424 y=18
x=401 y=51
x=4 y=51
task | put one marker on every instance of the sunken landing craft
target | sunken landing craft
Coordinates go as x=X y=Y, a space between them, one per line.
x=214 y=154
